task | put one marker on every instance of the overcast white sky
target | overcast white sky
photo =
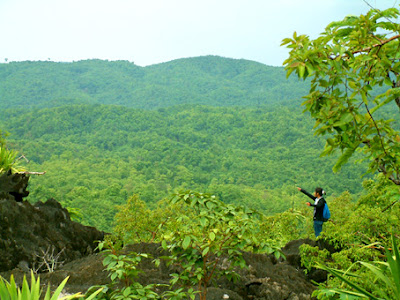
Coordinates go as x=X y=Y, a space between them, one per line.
x=147 y=32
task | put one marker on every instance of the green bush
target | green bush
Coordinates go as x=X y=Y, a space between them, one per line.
x=123 y=272
x=380 y=280
x=210 y=244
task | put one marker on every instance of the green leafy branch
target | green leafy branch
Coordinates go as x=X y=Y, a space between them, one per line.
x=209 y=241
x=354 y=68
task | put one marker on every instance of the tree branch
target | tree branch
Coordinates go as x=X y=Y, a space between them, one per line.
x=390 y=205
x=378 y=45
x=32 y=173
x=377 y=129
x=369 y=48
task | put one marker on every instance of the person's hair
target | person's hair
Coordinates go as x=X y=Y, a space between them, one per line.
x=320 y=191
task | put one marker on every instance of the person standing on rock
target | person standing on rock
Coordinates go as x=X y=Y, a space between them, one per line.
x=319 y=203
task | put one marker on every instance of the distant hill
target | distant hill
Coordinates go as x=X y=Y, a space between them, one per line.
x=104 y=131
x=208 y=80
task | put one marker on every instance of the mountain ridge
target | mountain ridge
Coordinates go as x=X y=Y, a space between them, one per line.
x=207 y=80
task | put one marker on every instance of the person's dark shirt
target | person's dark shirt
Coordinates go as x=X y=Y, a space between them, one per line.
x=318 y=206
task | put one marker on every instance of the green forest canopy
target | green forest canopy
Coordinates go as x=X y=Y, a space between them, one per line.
x=96 y=155
x=208 y=80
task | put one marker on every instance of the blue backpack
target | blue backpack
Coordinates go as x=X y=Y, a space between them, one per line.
x=326 y=214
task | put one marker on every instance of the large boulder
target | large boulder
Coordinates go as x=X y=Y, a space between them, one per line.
x=41 y=237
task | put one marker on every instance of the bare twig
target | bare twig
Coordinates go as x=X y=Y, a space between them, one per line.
x=48 y=261
x=23 y=157
x=32 y=173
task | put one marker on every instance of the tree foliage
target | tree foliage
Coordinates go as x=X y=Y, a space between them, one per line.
x=354 y=68
x=210 y=242
x=123 y=271
x=208 y=80
x=247 y=156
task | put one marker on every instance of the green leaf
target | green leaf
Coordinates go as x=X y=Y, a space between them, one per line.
x=301 y=69
x=344 y=158
x=210 y=205
x=92 y=296
x=127 y=291
x=344 y=119
x=388 y=81
x=203 y=221
x=12 y=288
x=384 y=102
x=331 y=142
x=212 y=236
x=186 y=242
x=3 y=290
x=25 y=292
x=205 y=251
x=164 y=244
x=48 y=293
x=394 y=265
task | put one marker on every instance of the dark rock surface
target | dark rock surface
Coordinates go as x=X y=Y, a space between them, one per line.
x=13 y=186
x=30 y=232
x=265 y=277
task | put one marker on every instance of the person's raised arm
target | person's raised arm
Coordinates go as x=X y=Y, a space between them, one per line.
x=306 y=193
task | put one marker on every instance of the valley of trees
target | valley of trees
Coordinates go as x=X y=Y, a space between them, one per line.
x=116 y=141
x=104 y=131
x=96 y=156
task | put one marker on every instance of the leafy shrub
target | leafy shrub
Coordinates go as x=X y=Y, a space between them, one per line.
x=210 y=244
x=310 y=256
x=123 y=273
x=135 y=222
x=284 y=227
x=380 y=280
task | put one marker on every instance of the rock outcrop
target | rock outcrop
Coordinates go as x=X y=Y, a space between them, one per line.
x=265 y=278
x=30 y=235
x=13 y=186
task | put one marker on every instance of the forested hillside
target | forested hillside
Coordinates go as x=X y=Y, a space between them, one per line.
x=208 y=157
x=96 y=156
x=104 y=131
x=206 y=80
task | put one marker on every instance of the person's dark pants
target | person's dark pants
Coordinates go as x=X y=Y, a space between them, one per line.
x=318 y=227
